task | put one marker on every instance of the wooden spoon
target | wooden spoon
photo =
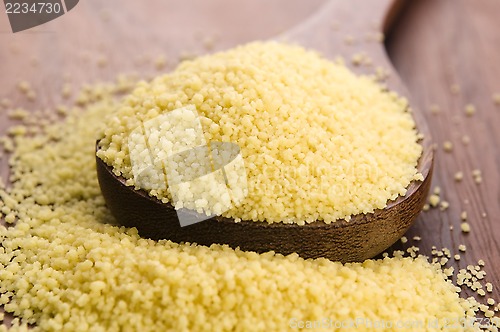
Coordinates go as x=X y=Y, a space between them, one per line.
x=338 y=29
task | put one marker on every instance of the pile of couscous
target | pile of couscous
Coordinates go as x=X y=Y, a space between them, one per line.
x=318 y=142
x=64 y=267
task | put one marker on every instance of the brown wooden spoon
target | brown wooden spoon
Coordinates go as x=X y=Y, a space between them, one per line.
x=338 y=29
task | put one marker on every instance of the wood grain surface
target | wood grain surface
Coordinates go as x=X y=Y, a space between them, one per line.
x=436 y=44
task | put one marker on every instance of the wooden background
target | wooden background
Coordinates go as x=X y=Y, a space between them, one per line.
x=433 y=45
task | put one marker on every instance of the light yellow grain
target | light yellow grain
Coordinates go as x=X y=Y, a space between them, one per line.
x=31 y=95
x=66 y=90
x=463 y=215
x=7 y=143
x=496 y=99
x=18 y=114
x=17 y=131
x=381 y=74
x=434 y=109
x=447 y=146
x=209 y=43
x=349 y=40
x=465 y=227
x=470 y=109
x=378 y=36
x=187 y=56
x=459 y=176
x=357 y=59
x=457 y=257
x=24 y=86
x=160 y=62
x=437 y=190
x=462 y=248
x=404 y=239
x=489 y=287
x=443 y=205
x=5 y=102
x=102 y=61
x=434 y=200
x=477 y=176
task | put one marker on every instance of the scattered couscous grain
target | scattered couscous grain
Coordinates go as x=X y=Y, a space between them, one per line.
x=477 y=175
x=349 y=40
x=5 y=102
x=31 y=95
x=459 y=176
x=465 y=227
x=24 y=87
x=208 y=43
x=66 y=90
x=187 y=56
x=447 y=146
x=357 y=59
x=434 y=109
x=443 y=205
x=378 y=36
x=496 y=99
x=434 y=200
x=463 y=215
x=489 y=287
x=470 y=109
x=462 y=248
x=160 y=62
x=18 y=114
x=255 y=95
x=457 y=257
x=102 y=61
x=437 y=190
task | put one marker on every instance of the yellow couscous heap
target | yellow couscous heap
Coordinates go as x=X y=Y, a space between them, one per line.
x=318 y=142
x=64 y=268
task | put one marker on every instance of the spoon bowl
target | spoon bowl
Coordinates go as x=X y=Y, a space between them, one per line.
x=363 y=237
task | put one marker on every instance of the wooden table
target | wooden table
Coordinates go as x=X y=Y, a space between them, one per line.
x=434 y=45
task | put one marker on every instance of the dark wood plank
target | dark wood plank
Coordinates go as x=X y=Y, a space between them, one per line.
x=434 y=45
